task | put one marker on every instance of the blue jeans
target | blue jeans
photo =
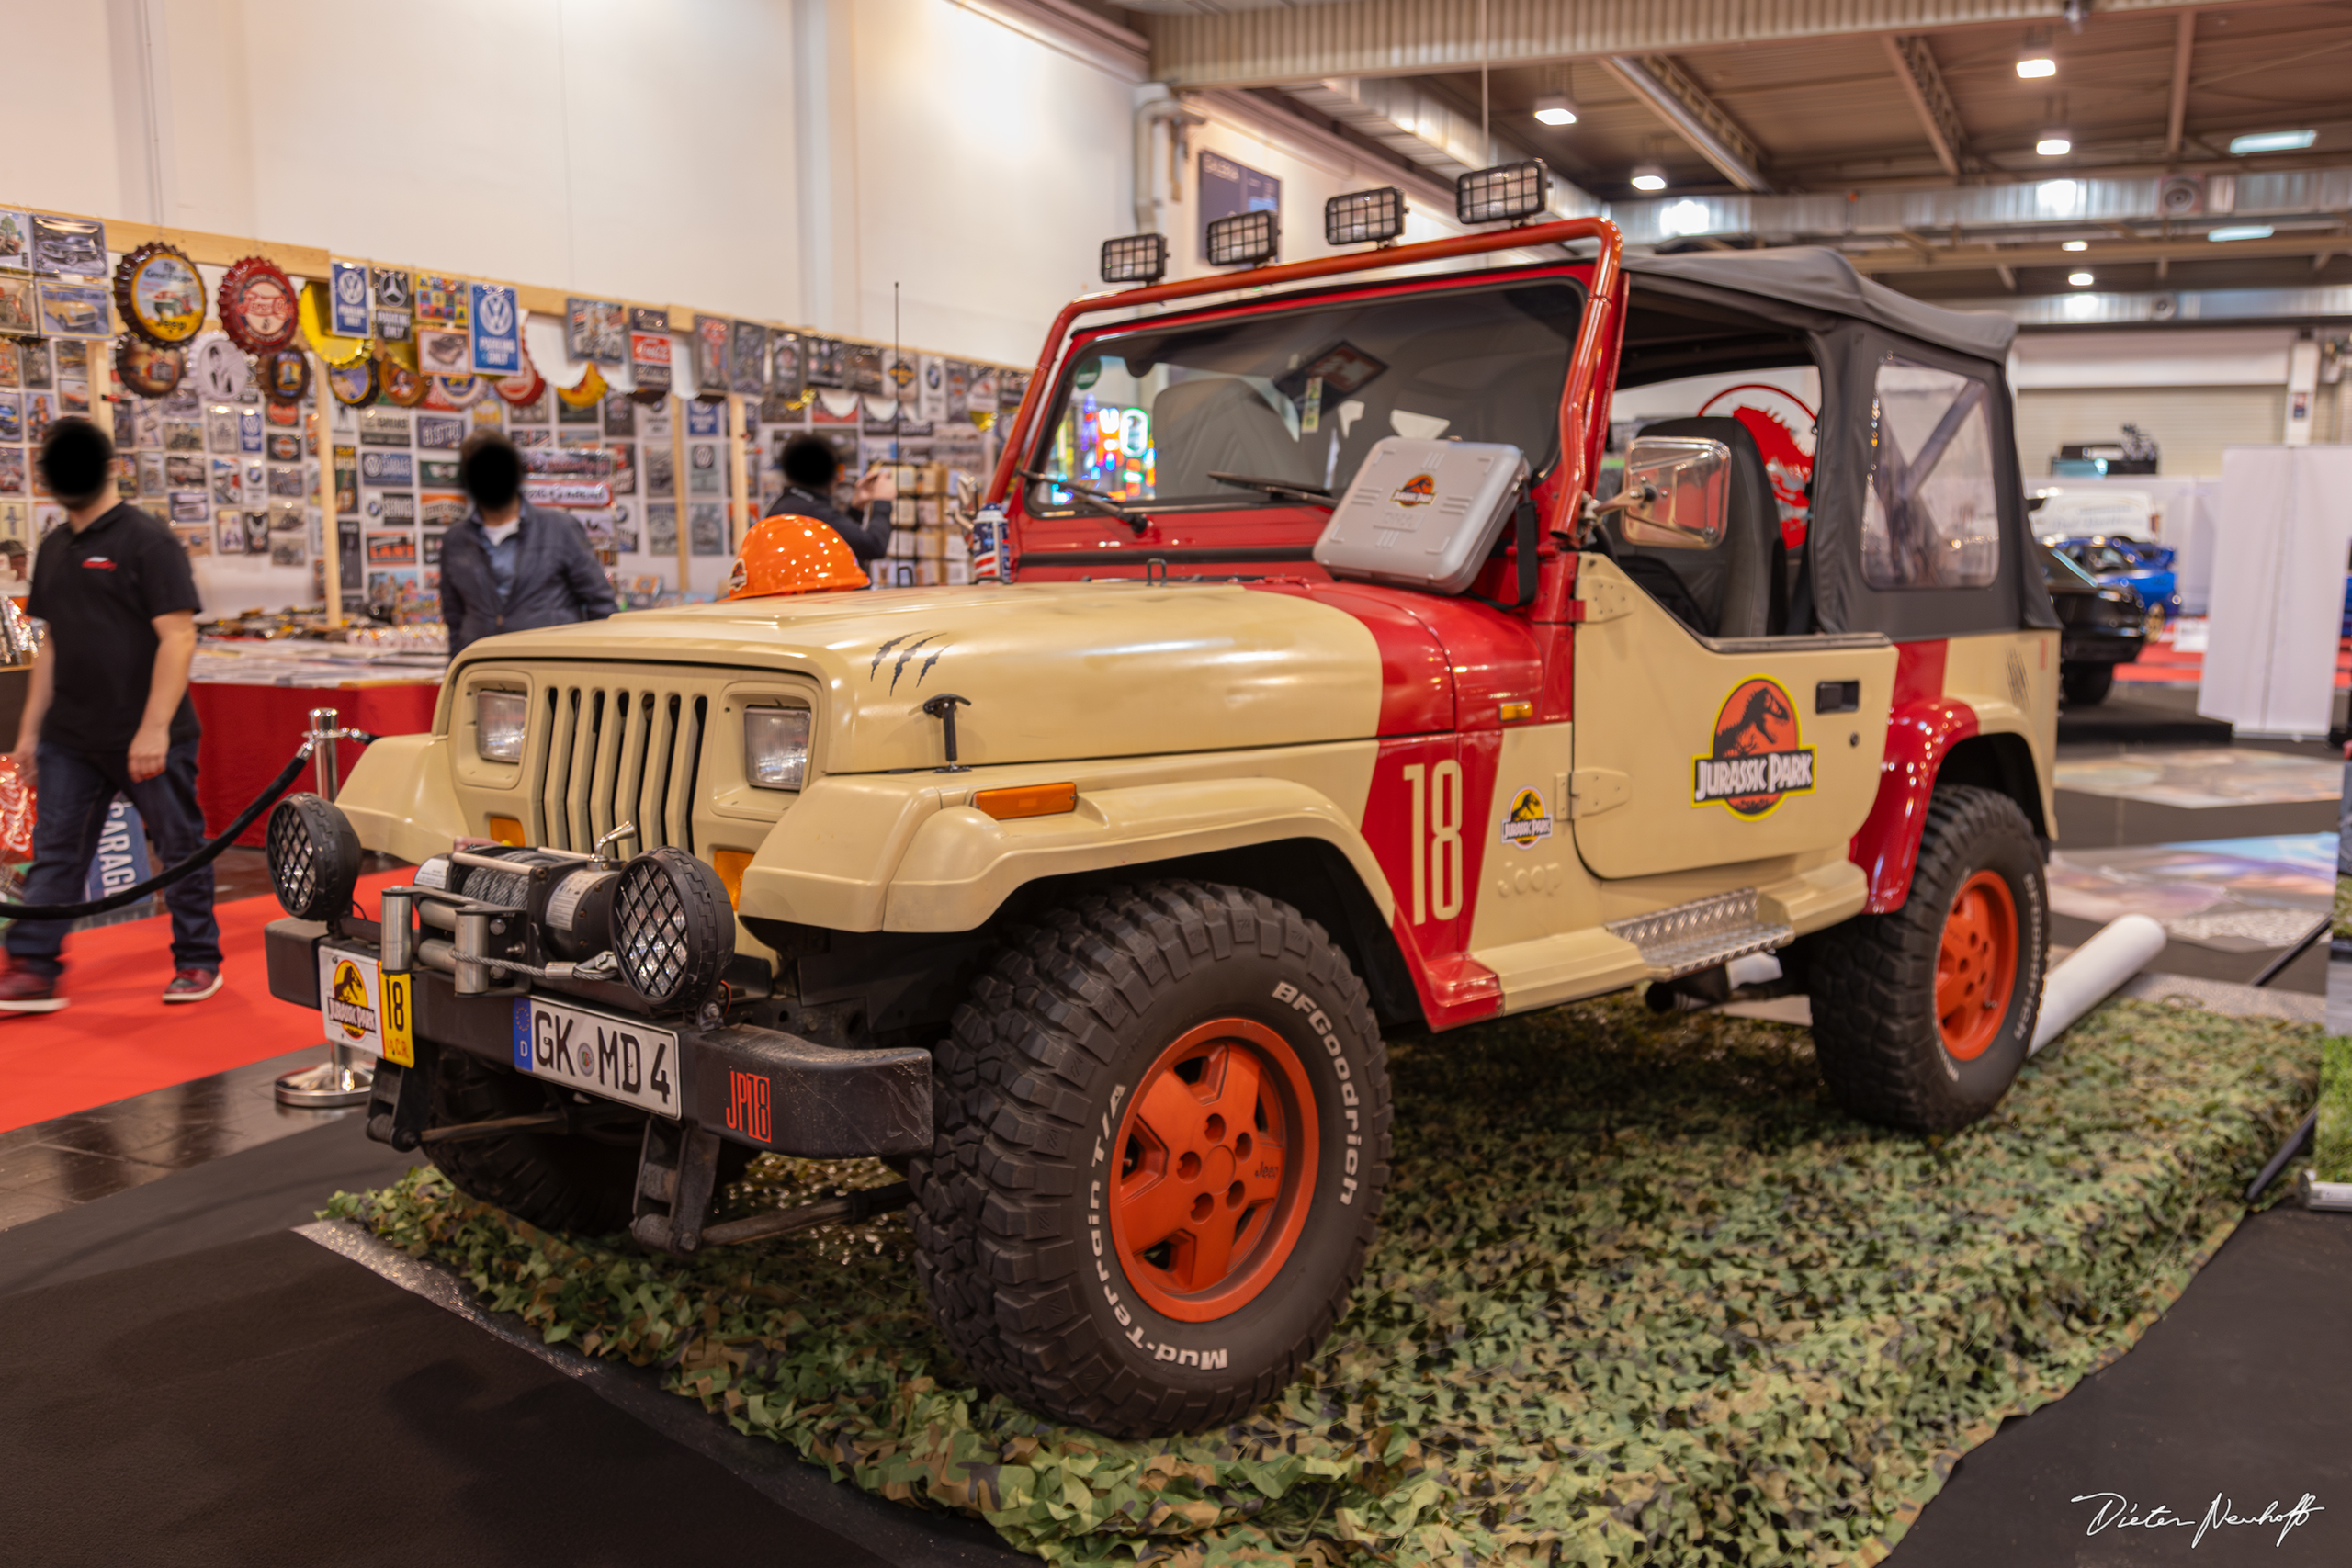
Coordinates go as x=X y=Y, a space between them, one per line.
x=73 y=793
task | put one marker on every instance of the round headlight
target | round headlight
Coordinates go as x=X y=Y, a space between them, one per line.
x=674 y=929
x=314 y=857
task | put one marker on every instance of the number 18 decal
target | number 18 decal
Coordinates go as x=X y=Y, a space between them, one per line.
x=1437 y=839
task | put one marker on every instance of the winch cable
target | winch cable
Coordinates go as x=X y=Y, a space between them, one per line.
x=205 y=855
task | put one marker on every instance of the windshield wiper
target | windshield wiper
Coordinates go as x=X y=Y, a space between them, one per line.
x=1092 y=500
x=1280 y=489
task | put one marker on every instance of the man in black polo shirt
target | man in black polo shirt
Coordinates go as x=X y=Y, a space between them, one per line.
x=106 y=711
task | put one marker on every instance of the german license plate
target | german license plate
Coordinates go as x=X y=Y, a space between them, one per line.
x=617 y=1058
x=363 y=1008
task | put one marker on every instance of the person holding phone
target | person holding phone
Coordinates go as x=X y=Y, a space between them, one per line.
x=812 y=469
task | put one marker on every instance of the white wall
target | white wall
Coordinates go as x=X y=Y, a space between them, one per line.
x=989 y=169
x=605 y=147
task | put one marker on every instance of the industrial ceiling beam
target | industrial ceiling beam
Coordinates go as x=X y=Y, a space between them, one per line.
x=1687 y=109
x=1923 y=84
x=2184 y=43
x=2008 y=258
x=1284 y=44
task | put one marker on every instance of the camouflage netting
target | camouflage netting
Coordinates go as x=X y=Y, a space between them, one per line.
x=2332 y=1147
x=1643 y=1296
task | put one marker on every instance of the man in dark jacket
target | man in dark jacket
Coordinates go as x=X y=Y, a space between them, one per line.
x=511 y=566
x=810 y=468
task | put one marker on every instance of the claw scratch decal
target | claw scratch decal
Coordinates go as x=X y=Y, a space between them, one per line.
x=909 y=652
x=883 y=652
x=934 y=658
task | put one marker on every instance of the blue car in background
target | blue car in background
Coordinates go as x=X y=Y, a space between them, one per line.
x=2121 y=562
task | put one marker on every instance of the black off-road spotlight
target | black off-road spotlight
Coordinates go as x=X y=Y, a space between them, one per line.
x=1246 y=239
x=674 y=929
x=1138 y=258
x=314 y=857
x=1503 y=192
x=1365 y=217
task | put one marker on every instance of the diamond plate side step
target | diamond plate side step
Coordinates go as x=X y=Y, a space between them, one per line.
x=1702 y=933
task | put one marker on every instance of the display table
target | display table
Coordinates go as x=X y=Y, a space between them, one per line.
x=255 y=703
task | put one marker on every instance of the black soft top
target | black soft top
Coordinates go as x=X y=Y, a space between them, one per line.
x=1817 y=277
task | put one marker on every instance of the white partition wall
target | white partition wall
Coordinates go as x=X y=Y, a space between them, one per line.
x=2278 y=593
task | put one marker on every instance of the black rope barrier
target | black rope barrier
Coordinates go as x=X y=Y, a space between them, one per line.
x=205 y=856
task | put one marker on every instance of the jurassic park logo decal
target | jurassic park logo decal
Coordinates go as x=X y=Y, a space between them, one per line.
x=1758 y=757
x=1419 y=491
x=1528 y=822
x=346 y=1003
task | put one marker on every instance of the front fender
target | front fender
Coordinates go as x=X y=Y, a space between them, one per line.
x=963 y=864
x=399 y=799
x=1887 y=849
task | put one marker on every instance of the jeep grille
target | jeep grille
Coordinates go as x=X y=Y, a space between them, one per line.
x=605 y=755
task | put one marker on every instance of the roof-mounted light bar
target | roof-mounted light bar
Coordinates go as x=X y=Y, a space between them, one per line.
x=1505 y=192
x=1246 y=239
x=1365 y=217
x=1136 y=258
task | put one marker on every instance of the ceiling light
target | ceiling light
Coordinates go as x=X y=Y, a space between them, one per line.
x=2054 y=144
x=1554 y=108
x=2076 y=245
x=2034 y=64
x=1649 y=177
x=2081 y=279
x=2241 y=231
x=2272 y=141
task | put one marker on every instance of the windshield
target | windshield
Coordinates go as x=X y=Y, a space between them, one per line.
x=2053 y=558
x=1298 y=397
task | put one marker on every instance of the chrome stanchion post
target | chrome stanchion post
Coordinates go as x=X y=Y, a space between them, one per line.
x=338 y=1080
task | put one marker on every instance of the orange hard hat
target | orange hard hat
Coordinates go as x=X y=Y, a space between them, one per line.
x=789 y=554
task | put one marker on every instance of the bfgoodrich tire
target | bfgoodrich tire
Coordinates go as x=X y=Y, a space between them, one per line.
x=580 y=1183
x=1161 y=1145
x=1921 y=1017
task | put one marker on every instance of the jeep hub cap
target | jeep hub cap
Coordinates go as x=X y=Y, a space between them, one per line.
x=1217 y=1169
x=1976 y=966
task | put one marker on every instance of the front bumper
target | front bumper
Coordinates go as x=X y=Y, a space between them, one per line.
x=2101 y=645
x=814 y=1100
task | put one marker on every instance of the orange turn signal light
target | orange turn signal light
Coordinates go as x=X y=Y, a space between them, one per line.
x=1512 y=712
x=730 y=865
x=1027 y=800
x=506 y=830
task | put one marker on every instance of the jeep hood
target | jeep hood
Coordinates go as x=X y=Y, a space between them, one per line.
x=1051 y=670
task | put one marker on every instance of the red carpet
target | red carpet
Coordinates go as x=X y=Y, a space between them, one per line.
x=118 y=1039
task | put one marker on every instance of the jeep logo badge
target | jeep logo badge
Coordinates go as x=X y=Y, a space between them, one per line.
x=1758 y=756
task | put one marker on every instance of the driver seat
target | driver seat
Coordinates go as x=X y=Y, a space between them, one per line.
x=1739 y=589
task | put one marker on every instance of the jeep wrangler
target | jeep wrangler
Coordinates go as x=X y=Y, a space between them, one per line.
x=1387 y=642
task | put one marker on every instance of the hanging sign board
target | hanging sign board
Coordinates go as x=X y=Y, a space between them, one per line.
x=347 y=300
x=567 y=493
x=498 y=329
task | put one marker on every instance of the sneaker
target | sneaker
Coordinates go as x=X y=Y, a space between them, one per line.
x=20 y=992
x=192 y=985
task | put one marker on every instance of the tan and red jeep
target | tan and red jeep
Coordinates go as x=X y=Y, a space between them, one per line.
x=1389 y=642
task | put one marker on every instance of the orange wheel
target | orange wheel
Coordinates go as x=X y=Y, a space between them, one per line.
x=1216 y=1169
x=1976 y=966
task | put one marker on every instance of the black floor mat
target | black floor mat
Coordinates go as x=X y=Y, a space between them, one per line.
x=2243 y=1388
x=271 y=1187
x=268 y=1402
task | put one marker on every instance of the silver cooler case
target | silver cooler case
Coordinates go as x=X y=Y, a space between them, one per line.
x=1423 y=514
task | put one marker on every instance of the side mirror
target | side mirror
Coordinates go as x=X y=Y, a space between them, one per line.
x=1677 y=494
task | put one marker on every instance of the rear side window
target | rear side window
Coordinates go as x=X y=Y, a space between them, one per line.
x=1929 y=519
